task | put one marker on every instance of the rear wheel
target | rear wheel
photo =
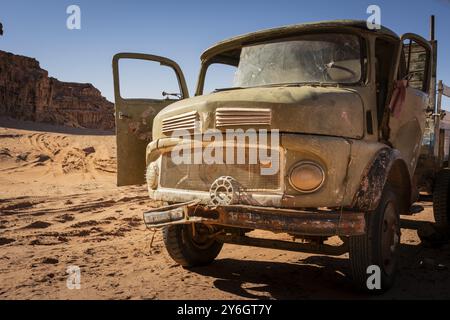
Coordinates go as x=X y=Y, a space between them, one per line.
x=379 y=246
x=441 y=200
x=191 y=245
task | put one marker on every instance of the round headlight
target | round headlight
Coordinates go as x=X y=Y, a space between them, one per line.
x=151 y=175
x=307 y=177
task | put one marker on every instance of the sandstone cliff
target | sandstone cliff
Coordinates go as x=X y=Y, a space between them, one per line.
x=28 y=93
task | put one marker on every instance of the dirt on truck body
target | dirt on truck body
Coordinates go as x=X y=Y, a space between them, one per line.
x=335 y=115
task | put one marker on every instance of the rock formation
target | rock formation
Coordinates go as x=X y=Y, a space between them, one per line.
x=28 y=93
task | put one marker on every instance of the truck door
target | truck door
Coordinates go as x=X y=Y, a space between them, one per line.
x=134 y=118
x=410 y=99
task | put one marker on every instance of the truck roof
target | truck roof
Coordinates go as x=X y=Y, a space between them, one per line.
x=292 y=30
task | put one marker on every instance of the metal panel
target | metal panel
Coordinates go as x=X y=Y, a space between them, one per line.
x=446 y=91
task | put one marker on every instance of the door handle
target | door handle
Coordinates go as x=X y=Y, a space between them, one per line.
x=123 y=115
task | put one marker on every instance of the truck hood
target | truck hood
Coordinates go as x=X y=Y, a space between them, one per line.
x=328 y=111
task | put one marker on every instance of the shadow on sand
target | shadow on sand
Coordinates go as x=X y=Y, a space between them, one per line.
x=325 y=277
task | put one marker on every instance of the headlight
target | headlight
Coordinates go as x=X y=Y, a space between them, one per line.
x=306 y=176
x=152 y=175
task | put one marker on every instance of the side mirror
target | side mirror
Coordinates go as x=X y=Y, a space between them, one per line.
x=168 y=95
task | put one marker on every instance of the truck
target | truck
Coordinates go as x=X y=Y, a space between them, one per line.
x=344 y=126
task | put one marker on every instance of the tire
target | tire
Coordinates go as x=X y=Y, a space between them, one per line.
x=441 y=200
x=187 y=250
x=379 y=245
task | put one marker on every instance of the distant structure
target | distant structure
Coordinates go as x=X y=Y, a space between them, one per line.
x=1 y=29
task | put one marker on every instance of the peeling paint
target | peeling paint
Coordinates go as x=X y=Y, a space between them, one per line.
x=372 y=185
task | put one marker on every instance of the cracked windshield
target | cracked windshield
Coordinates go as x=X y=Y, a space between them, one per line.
x=332 y=58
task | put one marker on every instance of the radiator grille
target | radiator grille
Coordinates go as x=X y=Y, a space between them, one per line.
x=199 y=177
x=243 y=117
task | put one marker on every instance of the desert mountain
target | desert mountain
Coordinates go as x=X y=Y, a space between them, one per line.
x=28 y=93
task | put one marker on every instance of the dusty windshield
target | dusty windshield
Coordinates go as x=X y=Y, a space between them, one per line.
x=325 y=58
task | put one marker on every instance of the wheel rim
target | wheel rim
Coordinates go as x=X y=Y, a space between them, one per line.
x=390 y=237
x=202 y=239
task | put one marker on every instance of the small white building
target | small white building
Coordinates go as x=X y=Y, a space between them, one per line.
x=445 y=124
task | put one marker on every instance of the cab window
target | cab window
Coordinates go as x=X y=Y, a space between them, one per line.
x=414 y=65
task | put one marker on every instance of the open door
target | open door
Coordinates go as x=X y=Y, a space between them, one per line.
x=134 y=118
x=410 y=100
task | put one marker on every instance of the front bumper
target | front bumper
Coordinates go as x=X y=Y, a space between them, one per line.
x=312 y=223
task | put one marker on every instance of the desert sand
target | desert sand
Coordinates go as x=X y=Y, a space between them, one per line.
x=59 y=207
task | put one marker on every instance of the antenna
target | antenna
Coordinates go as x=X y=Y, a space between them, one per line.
x=434 y=46
x=433 y=83
x=432 y=28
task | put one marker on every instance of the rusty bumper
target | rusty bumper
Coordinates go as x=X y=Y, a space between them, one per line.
x=313 y=223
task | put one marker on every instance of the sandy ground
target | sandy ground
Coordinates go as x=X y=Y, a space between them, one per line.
x=59 y=207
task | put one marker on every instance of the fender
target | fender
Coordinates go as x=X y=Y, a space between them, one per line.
x=374 y=178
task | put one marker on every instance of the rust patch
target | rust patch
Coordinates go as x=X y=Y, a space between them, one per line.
x=141 y=127
x=283 y=220
x=375 y=175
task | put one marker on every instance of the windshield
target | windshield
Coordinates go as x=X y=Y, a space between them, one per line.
x=314 y=58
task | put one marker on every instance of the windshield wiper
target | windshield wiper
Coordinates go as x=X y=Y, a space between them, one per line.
x=300 y=84
x=333 y=64
x=292 y=84
x=228 y=89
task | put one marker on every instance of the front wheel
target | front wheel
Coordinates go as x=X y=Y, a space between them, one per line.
x=191 y=245
x=377 y=249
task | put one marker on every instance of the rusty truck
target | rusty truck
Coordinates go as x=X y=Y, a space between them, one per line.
x=357 y=123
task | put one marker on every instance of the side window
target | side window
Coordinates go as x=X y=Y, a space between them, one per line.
x=415 y=61
x=219 y=76
x=144 y=79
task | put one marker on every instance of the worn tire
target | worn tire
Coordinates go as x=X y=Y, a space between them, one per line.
x=441 y=200
x=382 y=226
x=183 y=249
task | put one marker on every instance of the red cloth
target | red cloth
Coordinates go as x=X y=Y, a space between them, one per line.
x=398 y=98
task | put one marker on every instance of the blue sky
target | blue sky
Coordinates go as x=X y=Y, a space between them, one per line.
x=181 y=30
